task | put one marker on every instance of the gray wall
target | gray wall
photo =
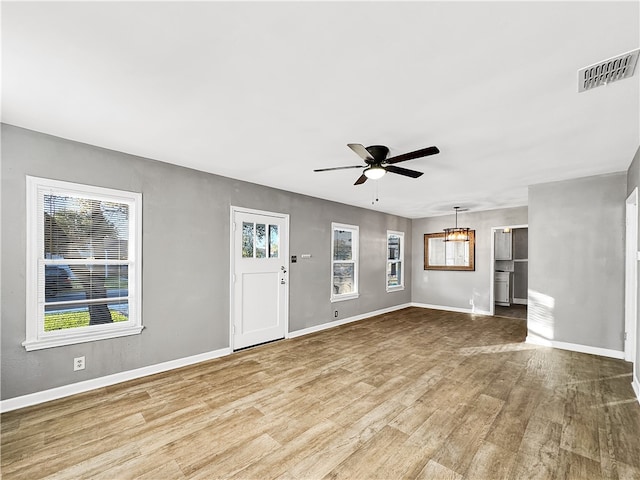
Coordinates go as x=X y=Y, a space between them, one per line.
x=576 y=261
x=186 y=233
x=633 y=174
x=458 y=288
x=633 y=181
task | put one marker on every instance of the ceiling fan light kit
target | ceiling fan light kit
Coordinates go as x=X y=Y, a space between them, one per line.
x=456 y=234
x=377 y=163
x=375 y=172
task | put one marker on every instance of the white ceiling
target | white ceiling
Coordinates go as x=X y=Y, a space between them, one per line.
x=266 y=92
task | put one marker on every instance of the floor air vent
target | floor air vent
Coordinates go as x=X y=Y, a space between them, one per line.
x=607 y=71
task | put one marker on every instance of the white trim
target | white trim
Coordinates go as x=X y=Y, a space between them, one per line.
x=574 y=347
x=397 y=288
x=512 y=227
x=100 y=382
x=635 y=384
x=492 y=274
x=344 y=296
x=355 y=254
x=400 y=287
x=472 y=311
x=492 y=307
x=631 y=278
x=36 y=337
x=519 y=301
x=81 y=337
x=342 y=321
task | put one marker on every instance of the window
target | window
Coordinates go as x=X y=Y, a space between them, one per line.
x=395 y=259
x=344 y=262
x=83 y=263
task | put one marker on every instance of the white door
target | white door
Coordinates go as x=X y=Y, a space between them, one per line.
x=259 y=277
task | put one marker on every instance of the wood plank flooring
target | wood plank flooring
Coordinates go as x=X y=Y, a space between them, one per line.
x=415 y=394
x=512 y=311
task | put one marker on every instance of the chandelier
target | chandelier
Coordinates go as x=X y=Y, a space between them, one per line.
x=456 y=234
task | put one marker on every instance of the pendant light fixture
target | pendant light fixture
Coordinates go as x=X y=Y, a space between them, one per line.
x=457 y=234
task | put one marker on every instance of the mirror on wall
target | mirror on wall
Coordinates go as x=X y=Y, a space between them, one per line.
x=441 y=255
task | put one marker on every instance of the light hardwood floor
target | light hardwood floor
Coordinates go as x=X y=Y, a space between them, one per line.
x=411 y=394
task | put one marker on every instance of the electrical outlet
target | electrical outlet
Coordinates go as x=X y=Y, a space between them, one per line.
x=335 y=314
x=78 y=364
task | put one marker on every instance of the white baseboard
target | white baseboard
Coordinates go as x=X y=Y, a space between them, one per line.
x=635 y=383
x=81 y=387
x=520 y=301
x=342 y=321
x=574 y=347
x=473 y=311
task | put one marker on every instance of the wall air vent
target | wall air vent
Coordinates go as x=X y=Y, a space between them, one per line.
x=607 y=71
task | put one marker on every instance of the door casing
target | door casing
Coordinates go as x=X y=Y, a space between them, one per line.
x=492 y=279
x=631 y=278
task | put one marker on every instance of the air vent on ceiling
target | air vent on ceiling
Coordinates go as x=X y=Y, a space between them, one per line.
x=607 y=71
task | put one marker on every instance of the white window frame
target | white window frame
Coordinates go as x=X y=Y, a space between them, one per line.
x=355 y=248
x=36 y=337
x=395 y=288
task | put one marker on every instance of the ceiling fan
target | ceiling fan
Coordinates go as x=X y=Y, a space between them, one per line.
x=377 y=163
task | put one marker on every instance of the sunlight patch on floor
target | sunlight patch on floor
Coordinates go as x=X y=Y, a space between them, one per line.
x=501 y=348
x=613 y=404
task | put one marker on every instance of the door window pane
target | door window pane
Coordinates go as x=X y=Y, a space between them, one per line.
x=274 y=241
x=247 y=240
x=261 y=240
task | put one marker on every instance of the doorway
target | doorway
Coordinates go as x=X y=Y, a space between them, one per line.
x=259 y=278
x=510 y=271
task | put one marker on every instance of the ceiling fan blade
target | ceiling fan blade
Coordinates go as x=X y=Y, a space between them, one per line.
x=403 y=171
x=425 y=152
x=360 y=150
x=338 y=168
x=361 y=179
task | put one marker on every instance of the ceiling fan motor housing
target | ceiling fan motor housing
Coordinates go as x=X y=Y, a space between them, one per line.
x=378 y=152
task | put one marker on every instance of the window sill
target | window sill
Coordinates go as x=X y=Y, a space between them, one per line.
x=346 y=296
x=395 y=289
x=40 y=344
